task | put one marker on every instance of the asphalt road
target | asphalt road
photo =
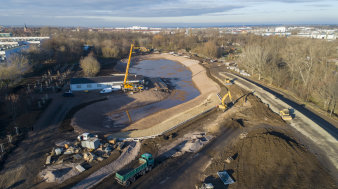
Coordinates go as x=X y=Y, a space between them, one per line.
x=322 y=134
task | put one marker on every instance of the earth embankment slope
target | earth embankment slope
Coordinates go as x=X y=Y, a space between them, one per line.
x=166 y=119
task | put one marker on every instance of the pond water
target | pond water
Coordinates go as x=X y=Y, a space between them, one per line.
x=179 y=76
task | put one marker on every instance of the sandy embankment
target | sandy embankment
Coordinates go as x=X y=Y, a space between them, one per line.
x=166 y=119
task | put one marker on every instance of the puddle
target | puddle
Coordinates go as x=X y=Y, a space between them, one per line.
x=180 y=78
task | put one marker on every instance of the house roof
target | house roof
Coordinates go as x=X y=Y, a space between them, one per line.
x=104 y=79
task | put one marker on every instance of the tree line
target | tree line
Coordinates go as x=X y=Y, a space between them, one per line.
x=304 y=67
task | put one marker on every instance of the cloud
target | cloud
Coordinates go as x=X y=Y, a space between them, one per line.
x=156 y=10
x=318 y=5
x=129 y=8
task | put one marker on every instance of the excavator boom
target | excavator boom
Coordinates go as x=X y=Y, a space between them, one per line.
x=225 y=96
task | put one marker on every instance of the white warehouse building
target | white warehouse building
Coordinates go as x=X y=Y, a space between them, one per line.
x=97 y=83
x=281 y=29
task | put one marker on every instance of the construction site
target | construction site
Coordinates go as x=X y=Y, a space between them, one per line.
x=187 y=123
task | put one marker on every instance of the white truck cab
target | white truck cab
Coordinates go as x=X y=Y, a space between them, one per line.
x=85 y=136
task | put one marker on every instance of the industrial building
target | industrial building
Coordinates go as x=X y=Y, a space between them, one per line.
x=5 y=34
x=6 y=53
x=10 y=45
x=97 y=83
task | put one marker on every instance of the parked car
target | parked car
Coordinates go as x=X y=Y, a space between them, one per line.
x=68 y=94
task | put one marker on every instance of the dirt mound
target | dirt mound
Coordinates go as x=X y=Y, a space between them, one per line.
x=267 y=158
x=59 y=173
x=190 y=142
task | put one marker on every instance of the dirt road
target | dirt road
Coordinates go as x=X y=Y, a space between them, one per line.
x=184 y=173
x=268 y=157
x=320 y=132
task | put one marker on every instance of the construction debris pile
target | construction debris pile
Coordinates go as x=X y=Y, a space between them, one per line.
x=191 y=142
x=161 y=84
x=233 y=66
x=69 y=159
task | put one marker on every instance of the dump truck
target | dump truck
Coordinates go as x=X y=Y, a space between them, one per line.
x=127 y=176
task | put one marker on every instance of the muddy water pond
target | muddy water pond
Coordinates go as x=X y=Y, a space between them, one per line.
x=180 y=78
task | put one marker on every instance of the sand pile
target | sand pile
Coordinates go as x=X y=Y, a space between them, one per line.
x=192 y=146
x=59 y=173
x=190 y=142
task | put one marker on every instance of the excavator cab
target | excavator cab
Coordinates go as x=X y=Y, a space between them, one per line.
x=224 y=106
x=228 y=81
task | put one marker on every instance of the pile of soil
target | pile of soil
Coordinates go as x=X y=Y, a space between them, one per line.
x=190 y=142
x=267 y=158
x=59 y=173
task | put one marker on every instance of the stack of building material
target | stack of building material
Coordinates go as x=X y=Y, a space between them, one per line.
x=91 y=143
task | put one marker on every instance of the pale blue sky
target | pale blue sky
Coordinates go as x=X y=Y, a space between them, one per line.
x=167 y=13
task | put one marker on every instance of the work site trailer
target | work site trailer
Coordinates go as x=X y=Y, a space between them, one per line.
x=144 y=164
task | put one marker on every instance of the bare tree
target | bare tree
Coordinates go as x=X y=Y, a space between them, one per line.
x=255 y=57
x=12 y=100
x=16 y=66
x=90 y=65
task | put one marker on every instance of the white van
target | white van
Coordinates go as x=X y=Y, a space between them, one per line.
x=116 y=87
x=110 y=89
x=106 y=90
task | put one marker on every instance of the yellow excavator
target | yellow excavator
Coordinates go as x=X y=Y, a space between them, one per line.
x=126 y=86
x=142 y=49
x=223 y=106
x=228 y=81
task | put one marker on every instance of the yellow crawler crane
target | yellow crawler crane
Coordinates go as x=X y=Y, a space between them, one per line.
x=223 y=106
x=126 y=85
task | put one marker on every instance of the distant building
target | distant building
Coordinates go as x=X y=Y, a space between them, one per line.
x=139 y=29
x=280 y=29
x=97 y=83
x=26 y=30
x=6 y=53
x=35 y=40
x=5 y=34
